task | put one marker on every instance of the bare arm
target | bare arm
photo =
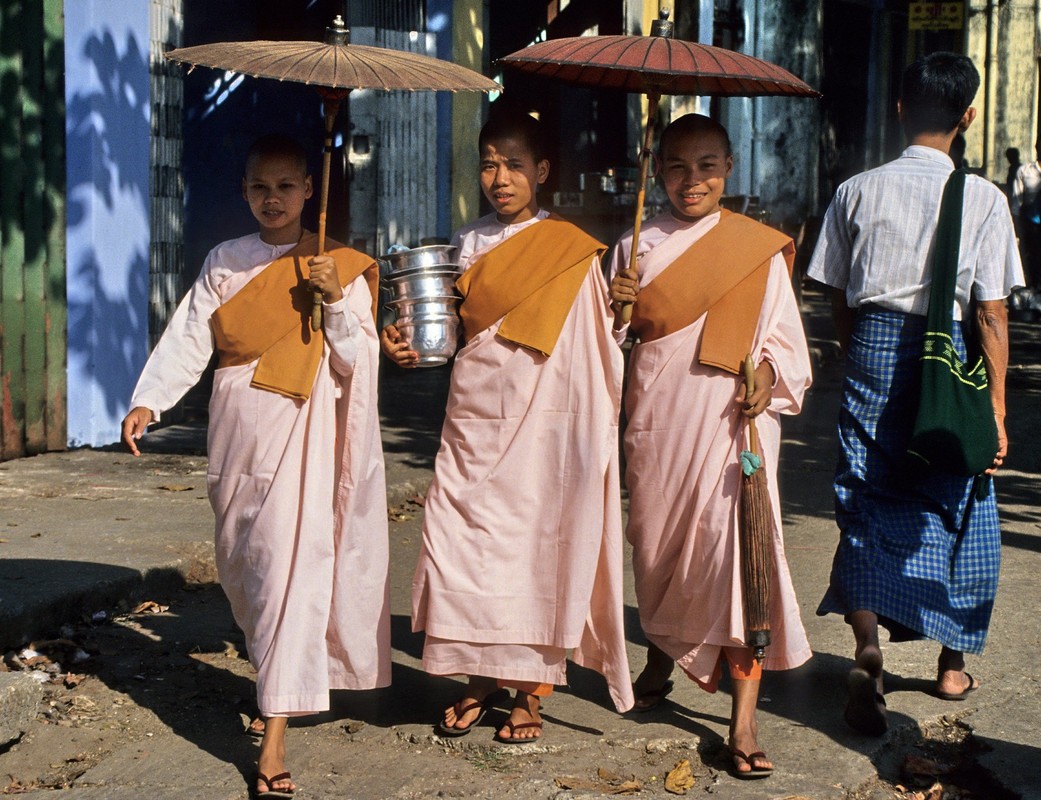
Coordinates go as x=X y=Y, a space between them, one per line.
x=843 y=316
x=992 y=325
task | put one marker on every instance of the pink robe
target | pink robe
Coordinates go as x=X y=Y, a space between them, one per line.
x=682 y=443
x=522 y=540
x=297 y=488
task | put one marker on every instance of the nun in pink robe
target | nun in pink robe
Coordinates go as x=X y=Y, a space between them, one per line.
x=297 y=488
x=682 y=443
x=521 y=558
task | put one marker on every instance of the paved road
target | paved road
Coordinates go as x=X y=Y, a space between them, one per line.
x=80 y=531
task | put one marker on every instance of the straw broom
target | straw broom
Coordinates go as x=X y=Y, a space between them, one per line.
x=756 y=535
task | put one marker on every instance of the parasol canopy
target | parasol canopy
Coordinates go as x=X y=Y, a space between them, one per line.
x=334 y=67
x=655 y=65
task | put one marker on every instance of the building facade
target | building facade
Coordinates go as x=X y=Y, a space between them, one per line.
x=103 y=228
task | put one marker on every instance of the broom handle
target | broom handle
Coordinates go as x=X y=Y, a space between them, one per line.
x=749 y=366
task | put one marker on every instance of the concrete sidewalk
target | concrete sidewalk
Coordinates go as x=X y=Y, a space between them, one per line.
x=80 y=531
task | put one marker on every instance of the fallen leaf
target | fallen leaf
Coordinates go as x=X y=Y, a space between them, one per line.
x=149 y=607
x=920 y=765
x=680 y=778
x=934 y=792
x=921 y=771
x=175 y=487
x=72 y=681
x=230 y=650
x=600 y=787
x=418 y=500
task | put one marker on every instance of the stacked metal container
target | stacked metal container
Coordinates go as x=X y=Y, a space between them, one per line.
x=424 y=299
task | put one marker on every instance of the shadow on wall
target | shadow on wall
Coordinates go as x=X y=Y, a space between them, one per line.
x=108 y=218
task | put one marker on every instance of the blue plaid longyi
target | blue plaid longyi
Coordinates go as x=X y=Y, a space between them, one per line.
x=922 y=556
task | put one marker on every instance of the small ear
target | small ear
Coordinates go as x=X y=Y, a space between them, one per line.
x=244 y=197
x=542 y=171
x=966 y=119
x=899 y=111
x=308 y=187
x=730 y=166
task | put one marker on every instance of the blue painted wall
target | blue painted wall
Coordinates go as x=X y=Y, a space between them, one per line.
x=107 y=127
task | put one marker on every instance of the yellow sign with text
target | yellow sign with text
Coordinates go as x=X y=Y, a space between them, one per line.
x=936 y=16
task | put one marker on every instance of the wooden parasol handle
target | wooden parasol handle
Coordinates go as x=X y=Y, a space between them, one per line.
x=332 y=108
x=625 y=313
x=749 y=369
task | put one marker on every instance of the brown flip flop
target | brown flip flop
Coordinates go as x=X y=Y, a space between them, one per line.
x=866 y=707
x=272 y=792
x=460 y=710
x=514 y=727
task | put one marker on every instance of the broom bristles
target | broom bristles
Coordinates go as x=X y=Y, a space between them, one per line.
x=757 y=561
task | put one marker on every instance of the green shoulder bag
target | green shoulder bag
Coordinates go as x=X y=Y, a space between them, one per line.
x=954 y=431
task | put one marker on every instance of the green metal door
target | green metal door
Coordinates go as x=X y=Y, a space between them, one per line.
x=32 y=227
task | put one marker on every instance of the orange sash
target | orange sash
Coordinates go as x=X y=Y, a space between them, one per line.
x=270 y=319
x=530 y=282
x=722 y=274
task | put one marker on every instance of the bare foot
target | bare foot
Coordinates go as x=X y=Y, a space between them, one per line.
x=272 y=760
x=477 y=691
x=524 y=724
x=280 y=782
x=954 y=684
x=865 y=705
x=869 y=659
x=749 y=760
x=653 y=684
x=743 y=742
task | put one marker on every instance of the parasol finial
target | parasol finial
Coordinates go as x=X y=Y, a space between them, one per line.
x=663 y=26
x=337 y=33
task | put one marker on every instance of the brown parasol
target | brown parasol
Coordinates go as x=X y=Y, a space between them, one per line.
x=655 y=65
x=756 y=536
x=334 y=67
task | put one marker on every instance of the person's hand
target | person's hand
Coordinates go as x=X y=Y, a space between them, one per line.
x=760 y=399
x=624 y=288
x=323 y=278
x=134 y=425
x=397 y=349
x=999 y=458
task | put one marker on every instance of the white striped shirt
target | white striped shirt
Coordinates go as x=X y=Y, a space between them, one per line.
x=876 y=241
x=1025 y=186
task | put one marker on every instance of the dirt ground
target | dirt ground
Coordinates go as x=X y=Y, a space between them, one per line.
x=151 y=697
x=125 y=678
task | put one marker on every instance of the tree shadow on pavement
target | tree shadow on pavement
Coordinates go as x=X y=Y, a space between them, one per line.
x=38 y=594
x=187 y=666
x=184 y=666
x=412 y=411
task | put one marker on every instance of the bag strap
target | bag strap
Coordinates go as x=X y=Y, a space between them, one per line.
x=946 y=249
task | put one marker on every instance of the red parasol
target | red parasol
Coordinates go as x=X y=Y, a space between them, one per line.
x=334 y=67
x=655 y=65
